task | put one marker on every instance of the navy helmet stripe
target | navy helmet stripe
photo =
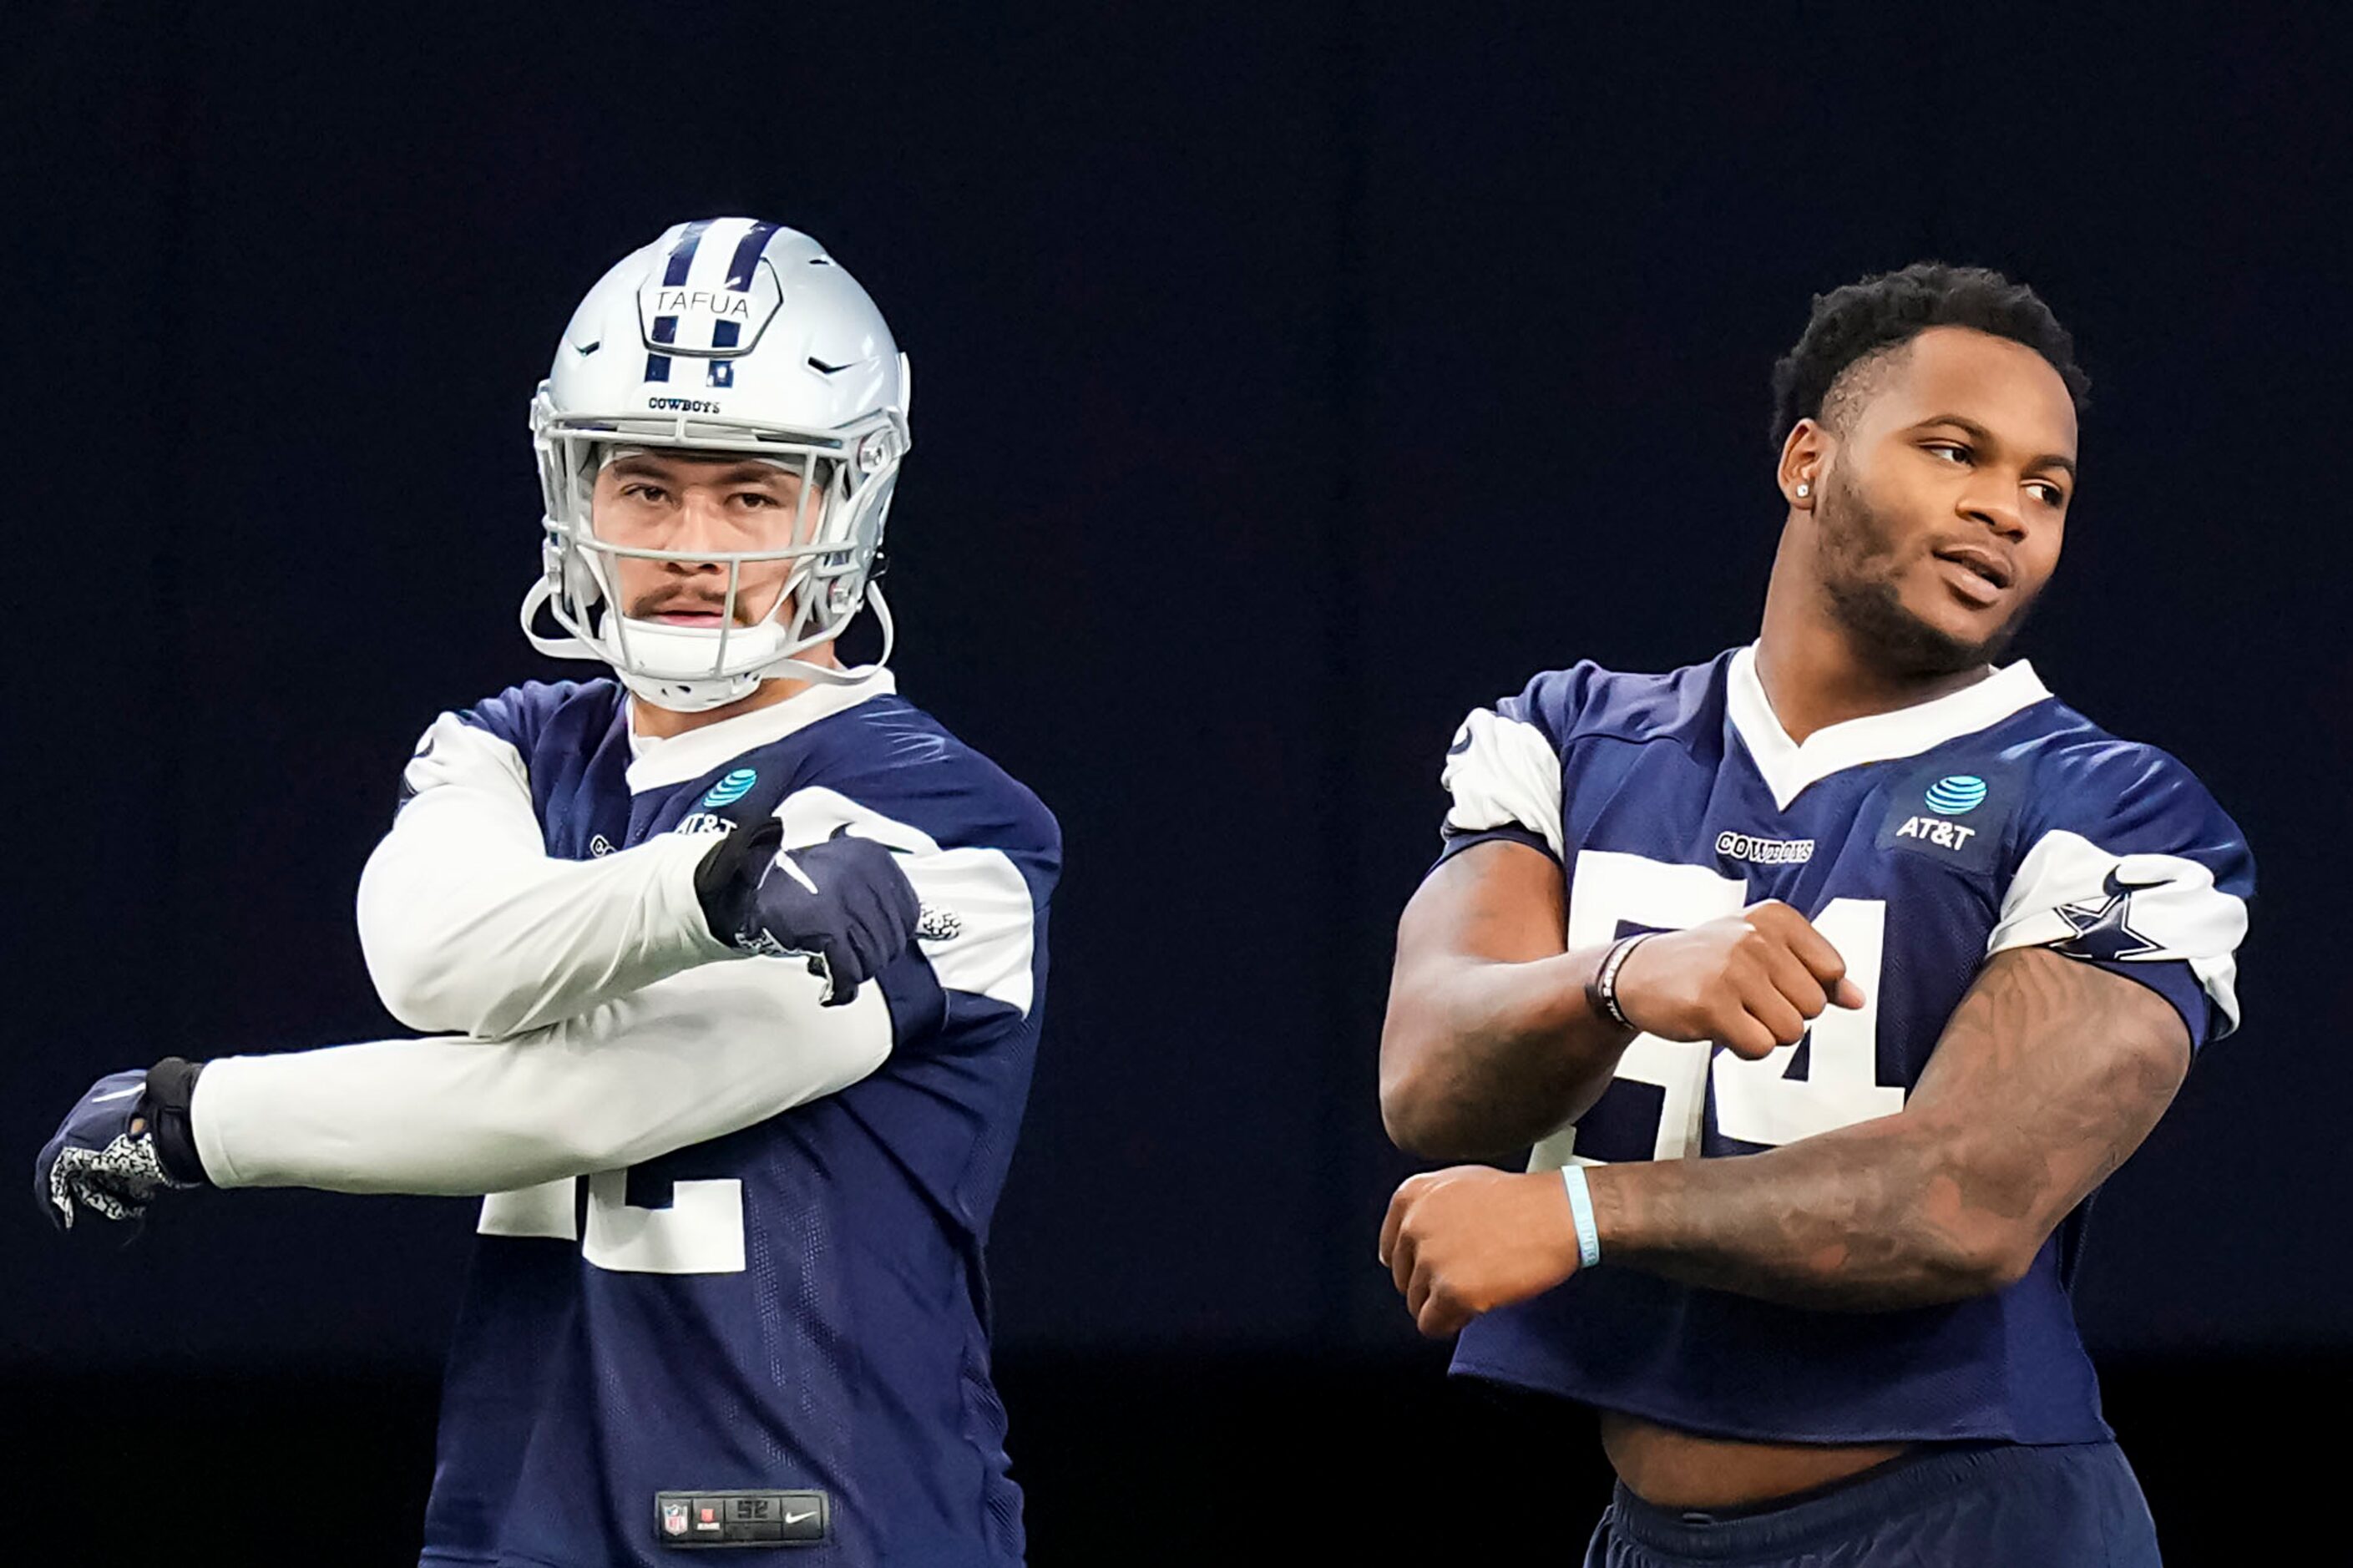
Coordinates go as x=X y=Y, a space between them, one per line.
x=747 y=254
x=665 y=329
x=723 y=373
x=682 y=254
x=725 y=334
x=657 y=367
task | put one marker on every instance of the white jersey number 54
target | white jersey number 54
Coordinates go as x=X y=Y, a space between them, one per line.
x=1755 y=1101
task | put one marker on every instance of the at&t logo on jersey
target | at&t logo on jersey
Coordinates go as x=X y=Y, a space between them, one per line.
x=731 y=788
x=1957 y=795
x=1960 y=819
x=1935 y=831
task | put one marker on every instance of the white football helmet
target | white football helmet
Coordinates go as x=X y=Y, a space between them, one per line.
x=726 y=335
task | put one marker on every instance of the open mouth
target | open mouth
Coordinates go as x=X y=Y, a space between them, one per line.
x=1984 y=565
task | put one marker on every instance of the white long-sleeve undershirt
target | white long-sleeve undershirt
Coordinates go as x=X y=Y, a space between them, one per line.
x=469 y=927
x=596 y=1022
x=688 y=1059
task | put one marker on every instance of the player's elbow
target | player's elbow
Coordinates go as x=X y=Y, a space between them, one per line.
x=1405 y=1109
x=1417 y=1110
x=1999 y=1263
x=430 y=993
x=411 y=993
x=1421 y=1119
x=412 y=979
x=1957 y=1267
x=439 y=983
x=428 y=971
x=1435 y=1109
x=1407 y=1126
x=1981 y=1274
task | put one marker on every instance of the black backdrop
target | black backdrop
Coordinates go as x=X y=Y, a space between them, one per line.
x=1288 y=382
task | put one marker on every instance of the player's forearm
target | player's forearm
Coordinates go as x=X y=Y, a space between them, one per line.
x=2048 y=1076
x=464 y=935
x=1478 y=1057
x=1883 y=1215
x=689 y=1059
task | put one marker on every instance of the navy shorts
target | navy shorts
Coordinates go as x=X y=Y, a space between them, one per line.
x=2073 y=1505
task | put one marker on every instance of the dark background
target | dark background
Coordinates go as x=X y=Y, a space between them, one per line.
x=1291 y=379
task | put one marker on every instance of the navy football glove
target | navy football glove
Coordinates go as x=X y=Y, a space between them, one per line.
x=124 y=1143
x=843 y=904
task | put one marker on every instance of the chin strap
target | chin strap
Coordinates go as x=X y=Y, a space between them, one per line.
x=555 y=647
x=843 y=674
x=787 y=668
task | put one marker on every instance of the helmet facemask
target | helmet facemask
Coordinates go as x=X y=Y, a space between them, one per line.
x=846 y=478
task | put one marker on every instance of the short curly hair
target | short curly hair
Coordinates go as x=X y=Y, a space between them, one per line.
x=1863 y=322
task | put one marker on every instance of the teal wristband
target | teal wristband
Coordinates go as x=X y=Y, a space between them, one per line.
x=1580 y=1210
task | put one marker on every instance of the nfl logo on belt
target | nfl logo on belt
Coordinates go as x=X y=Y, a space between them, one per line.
x=673 y=1519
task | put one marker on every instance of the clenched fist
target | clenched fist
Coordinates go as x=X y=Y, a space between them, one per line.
x=843 y=904
x=1749 y=982
x=1466 y=1240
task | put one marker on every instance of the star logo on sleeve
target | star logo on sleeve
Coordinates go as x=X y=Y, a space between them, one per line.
x=2102 y=928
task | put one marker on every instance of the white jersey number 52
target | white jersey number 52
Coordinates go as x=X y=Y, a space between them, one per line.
x=701 y=1231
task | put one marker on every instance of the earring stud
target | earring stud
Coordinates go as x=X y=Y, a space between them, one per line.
x=1804 y=491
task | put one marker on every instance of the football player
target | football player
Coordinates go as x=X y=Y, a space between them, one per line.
x=734 y=961
x=1860 y=903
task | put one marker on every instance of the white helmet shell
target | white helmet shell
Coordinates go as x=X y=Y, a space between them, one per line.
x=725 y=335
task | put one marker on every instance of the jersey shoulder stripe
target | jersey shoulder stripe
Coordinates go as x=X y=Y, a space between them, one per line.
x=1503 y=769
x=2123 y=858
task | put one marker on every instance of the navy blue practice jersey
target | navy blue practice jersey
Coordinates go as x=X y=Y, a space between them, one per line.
x=798 y=1308
x=1918 y=842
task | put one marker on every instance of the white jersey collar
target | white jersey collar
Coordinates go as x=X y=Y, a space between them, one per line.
x=672 y=760
x=1789 y=766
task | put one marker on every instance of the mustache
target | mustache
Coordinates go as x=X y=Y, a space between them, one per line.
x=675 y=602
x=753 y=603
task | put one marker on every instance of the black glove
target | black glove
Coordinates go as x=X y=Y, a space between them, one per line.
x=123 y=1143
x=844 y=903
